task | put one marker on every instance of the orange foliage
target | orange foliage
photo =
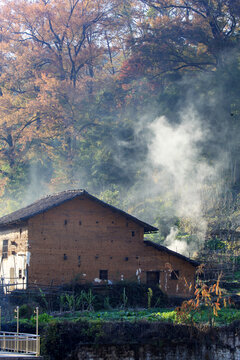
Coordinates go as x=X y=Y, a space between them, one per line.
x=52 y=56
x=209 y=296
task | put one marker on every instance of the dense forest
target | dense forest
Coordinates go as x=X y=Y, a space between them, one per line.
x=136 y=101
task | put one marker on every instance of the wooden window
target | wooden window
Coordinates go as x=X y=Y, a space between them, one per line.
x=175 y=275
x=153 y=278
x=103 y=274
x=5 y=249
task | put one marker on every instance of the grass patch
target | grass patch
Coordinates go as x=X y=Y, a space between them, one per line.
x=131 y=315
x=225 y=316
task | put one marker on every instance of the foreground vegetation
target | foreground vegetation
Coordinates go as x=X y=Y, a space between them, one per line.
x=125 y=301
x=225 y=316
x=63 y=334
x=76 y=322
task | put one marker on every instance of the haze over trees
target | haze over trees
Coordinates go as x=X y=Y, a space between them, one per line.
x=81 y=85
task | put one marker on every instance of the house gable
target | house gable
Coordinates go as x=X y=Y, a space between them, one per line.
x=82 y=237
x=85 y=238
x=55 y=200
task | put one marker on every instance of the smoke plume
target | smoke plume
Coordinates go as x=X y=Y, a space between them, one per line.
x=175 y=155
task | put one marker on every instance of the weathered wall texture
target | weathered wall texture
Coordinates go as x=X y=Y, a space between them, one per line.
x=13 y=268
x=154 y=341
x=78 y=239
x=162 y=352
x=167 y=342
x=81 y=237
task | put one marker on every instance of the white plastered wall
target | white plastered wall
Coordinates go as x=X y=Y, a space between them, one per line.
x=13 y=268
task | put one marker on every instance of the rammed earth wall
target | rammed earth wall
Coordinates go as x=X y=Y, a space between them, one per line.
x=81 y=237
x=73 y=235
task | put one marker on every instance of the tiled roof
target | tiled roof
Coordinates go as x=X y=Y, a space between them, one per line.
x=55 y=200
x=170 y=252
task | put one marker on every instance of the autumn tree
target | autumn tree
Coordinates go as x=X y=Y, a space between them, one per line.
x=64 y=30
x=58 y=60
x=180 y=35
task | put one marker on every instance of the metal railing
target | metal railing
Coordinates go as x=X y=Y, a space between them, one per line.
x=17 y=342
x=20 y=343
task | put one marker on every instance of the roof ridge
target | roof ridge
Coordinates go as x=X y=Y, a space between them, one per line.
x=50 y=201
x=54 y=194
x=174 y=253
x=62 y=192
x=42 y=199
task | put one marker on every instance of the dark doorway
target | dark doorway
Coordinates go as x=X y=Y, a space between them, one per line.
x=153 y=278
x=103 y=274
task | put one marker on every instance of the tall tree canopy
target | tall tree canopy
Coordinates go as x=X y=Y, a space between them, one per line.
x=81 y=82
x=193 y=35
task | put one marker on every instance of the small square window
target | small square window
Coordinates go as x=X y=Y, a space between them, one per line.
x=175 y=275
x=103 y=274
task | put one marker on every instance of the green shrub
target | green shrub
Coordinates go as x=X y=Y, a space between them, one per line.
x=150 y=295
x=18 y=297
x=25 y=311
x=43 y=318
x=61 y=338
x=89 y=297
x=215 y=244
x=137 y=295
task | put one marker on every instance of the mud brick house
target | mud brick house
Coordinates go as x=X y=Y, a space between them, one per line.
x=73 y=234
